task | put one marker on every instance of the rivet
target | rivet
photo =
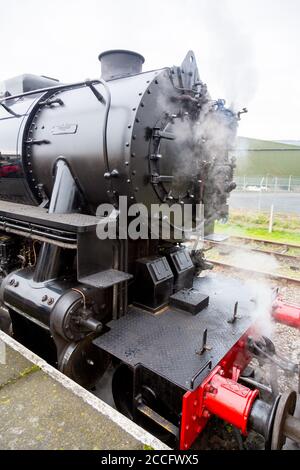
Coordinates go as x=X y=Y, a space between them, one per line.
x=50 y=301
x=137 y=120
x=140 y=94
x=127 y=144
x=129 y=127
x=133 y=154
x=133 y=172
x=126 y=163
x=128 y=181
x=133 y=109
x=16 y=284
x=44 y=298
x=142 y=104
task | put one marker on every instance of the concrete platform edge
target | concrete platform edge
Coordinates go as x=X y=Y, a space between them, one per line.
x=100 y=406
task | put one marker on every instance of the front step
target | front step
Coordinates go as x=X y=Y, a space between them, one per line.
x=105 y=279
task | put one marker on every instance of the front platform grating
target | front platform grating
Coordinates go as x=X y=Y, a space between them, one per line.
x=168 y=343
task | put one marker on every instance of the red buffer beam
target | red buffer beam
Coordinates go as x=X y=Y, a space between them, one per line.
x=219 y=394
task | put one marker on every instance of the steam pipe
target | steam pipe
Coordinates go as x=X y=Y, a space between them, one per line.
x=286 y=313
x=62 y=201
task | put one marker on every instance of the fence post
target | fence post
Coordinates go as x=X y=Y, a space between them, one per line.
x=290 y=182
x=271 y=218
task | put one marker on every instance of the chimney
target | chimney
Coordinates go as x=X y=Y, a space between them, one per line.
x=120 y=63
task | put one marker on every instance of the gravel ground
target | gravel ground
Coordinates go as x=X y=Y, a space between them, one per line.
x=218 y=435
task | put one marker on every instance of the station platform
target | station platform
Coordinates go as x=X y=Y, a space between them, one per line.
x=40 y=408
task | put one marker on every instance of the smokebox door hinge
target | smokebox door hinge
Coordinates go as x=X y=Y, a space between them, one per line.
x=155 y=179
x=158 y=134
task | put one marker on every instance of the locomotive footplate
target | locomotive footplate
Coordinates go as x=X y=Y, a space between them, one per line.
x=172 y=343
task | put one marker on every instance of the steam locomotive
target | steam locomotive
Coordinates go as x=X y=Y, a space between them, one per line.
x=178 y=344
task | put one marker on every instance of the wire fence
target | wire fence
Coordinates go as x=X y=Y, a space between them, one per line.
x=268 y=183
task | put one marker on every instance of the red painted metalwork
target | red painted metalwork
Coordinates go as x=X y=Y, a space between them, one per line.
x=219 y=394
x=229 y=400
x=286 y=313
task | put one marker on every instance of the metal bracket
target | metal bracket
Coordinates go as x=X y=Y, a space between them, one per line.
x=158 y=419
x=156 y=179
x=158 y=134
x=37 y=142
x=51 y=102
x=155 y=156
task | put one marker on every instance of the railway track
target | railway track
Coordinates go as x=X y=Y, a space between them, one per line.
x=257 y=244
x=287 y=257
x=265 y=242
x=276 y=254
x=264 y=274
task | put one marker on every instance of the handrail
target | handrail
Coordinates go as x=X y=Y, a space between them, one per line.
x=54 y=88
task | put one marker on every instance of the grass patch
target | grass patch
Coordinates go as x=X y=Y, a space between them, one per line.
x=29 y=370
x=286 y=227
x=147 y=447
x=24 y=373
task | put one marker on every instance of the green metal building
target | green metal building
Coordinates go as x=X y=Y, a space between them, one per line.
x=268 y=164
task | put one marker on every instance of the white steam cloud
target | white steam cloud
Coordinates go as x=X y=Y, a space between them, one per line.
x=261 y=290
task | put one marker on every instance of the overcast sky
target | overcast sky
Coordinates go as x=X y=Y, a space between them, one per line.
x=247 y=50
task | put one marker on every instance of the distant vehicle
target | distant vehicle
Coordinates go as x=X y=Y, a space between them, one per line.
x=9 y=170
x=257 y=188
